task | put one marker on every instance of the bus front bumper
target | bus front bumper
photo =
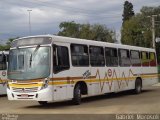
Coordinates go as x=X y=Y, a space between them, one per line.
x=41 y=95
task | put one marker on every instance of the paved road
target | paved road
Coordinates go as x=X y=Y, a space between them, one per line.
x=125 y=102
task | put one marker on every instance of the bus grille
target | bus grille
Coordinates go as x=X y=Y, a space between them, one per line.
x=25 y=90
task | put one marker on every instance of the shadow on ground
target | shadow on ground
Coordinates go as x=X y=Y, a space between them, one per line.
x=64 y=104
x=3 y=96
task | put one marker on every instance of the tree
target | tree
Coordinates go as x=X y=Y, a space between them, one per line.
x=7 y=45
x=137 y=30
x=86 y=31
x=127 y=11
x=148 y=11
x=70 y=29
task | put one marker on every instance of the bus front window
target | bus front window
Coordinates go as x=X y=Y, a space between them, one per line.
x=29 y=63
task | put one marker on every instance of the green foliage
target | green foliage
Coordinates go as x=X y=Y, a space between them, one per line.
x=127 y=11
x=7 y=45
x=69 y=29
x=86 y=31
x=137 y=30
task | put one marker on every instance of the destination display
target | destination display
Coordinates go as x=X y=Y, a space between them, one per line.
x=31 y=41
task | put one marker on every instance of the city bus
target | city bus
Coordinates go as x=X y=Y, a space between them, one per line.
x=3 y=71
x=49 y=68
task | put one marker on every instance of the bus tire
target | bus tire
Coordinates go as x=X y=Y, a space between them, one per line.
x=43 y=102
x=77 y=95
x=138 y=86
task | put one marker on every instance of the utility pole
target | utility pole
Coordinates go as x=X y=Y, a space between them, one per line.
x=29 y=11
x=153 y=29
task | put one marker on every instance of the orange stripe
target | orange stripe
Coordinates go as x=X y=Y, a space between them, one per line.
x=63 y=78
x=71 y=78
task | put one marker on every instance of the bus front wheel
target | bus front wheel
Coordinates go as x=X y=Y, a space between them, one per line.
x=138 y=86
x=77 y=95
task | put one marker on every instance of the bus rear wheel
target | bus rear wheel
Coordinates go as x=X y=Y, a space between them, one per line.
x=77 y=95
x=138 y=86
x=43 y=102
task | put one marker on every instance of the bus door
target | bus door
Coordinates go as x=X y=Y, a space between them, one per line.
x=3 y=73
x=61 y=66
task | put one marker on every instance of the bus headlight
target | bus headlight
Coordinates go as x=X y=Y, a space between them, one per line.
x=45 y=84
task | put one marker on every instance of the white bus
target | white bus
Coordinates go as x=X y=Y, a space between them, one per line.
x=53 y=68
x=3 y=71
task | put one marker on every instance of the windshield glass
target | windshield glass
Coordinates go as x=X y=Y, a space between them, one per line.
x=29 y=63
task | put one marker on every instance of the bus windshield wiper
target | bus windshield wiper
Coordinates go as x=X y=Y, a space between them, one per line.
x=30 y=61
x=32 y=55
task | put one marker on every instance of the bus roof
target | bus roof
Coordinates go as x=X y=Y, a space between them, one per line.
x=85 y=41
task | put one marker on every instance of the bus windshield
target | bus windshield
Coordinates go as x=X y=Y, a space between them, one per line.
x=29 y=63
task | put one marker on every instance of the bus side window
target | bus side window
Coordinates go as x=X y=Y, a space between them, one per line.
x=111 y=57
x=124 y=57
x=60 y=58
x=79 y=55
x=152 y=59
x=96 y=56
x=145 y=58
x=135 y=58
x=3 y=64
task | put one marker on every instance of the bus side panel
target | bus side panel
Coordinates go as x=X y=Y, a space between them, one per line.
x=123 y=80
x=111 y=76
x=149 y=76
x=3 y=74
x=134 y=73
x=3 y=80
x=127 y=77
x=96 y=82
x=79 y=74
x=103 y=83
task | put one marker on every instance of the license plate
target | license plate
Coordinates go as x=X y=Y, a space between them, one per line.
x=24 y=95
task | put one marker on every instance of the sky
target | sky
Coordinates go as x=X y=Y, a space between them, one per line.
x=46 y=15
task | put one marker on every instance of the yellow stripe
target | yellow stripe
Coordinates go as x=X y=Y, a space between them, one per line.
x=3 y=81
x=54 y=82
x=58 y=83
x=25 y=86
x=96 y=80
